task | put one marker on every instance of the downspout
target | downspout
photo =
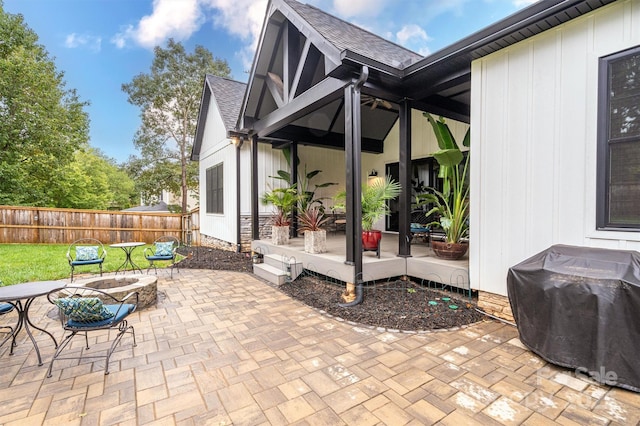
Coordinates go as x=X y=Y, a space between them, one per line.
x=238 y=219
x=357 y=189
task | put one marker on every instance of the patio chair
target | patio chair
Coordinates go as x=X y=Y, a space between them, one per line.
x=86 y=251
x=6 y=308
x=163 y=249
x=84 y=309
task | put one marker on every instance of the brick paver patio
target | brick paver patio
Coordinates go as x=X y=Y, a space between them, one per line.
x=225 y=348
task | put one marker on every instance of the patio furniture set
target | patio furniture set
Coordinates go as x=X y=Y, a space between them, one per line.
x=81 y=309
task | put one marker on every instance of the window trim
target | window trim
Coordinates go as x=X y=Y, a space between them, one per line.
x=603 y=143
x=219 y=208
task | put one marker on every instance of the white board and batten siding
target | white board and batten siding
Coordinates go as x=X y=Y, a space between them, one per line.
x=534 y=123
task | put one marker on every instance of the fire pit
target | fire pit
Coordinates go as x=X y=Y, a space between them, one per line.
x=119 y=287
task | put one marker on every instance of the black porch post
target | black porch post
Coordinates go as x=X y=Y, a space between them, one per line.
x=353 y=149
x=404 y=201
x=294 y=181
x=238 y=206
x=255 y=218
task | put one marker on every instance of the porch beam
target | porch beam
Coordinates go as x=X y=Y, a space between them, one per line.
x=404 y=201
x=318 y=96
x=448 y=108
x=298 y=73
x=325 y=139
x=255 y=217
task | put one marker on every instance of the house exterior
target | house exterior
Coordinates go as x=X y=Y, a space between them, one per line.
x=555 y=147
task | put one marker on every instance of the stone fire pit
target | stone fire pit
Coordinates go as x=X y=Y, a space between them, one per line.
x=119 y=287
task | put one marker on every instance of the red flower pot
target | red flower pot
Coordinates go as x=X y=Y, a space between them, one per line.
x=371 y=240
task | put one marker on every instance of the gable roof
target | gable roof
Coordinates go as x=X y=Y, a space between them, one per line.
x=439 y=83
x=348 y=37
x=228 y=95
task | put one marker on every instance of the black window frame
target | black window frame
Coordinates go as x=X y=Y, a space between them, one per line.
x=215 y=189
x=603 y=221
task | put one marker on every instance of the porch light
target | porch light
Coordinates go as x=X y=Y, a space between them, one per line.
x=373 y=173
x=237 y=141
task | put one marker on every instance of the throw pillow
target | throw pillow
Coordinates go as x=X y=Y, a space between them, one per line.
x=84 y=309
x=164 y=249
x=86 y=252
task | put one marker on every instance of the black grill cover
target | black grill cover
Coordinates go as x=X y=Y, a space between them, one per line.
x=579 y=307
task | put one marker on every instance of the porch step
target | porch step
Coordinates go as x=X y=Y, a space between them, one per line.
x=276 y=268
x=270 y=273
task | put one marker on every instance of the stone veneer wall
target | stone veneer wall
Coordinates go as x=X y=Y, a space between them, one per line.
x=496 y=305
x=245 y=235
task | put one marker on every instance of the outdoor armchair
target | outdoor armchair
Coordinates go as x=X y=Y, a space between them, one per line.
x=83 y=310
x=6 y=308
x=163 y=249
x=86 y=251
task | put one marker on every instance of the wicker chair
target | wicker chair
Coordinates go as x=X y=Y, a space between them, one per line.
x=84 y=309
x=84 y=252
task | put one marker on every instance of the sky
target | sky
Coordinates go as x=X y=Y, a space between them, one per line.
x=101 y=44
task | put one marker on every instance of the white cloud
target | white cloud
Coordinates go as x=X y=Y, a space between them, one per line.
x=524 y=3
x=170 y=18
x=73 y=41
x=349 y=8
x=242 y=18
x=411 y=32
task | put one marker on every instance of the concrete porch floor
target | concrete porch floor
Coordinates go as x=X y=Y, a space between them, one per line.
x=226 y=348
x=422 y=264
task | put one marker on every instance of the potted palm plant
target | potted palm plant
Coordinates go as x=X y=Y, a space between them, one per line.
x=374 y=206
x=315 y=238
x=452 y=203
x=283 y=200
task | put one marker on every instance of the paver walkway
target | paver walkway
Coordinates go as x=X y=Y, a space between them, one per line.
x=225 y=348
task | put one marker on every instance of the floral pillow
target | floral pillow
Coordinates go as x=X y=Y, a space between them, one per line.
x=86 y=252
x=164 y=249
x=84 y=309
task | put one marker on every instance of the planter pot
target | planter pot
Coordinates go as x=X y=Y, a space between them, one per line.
x=450 y=251
x=315 y=241
x=280 y=235
x=371 y=241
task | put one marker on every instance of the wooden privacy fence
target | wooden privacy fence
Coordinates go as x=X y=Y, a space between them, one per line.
x=63 y=226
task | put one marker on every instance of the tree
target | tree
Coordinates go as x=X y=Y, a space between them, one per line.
x=42 y=123
x=94 y=181
x=169 y=97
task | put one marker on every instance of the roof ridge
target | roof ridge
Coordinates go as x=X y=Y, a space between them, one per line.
x=289 y=2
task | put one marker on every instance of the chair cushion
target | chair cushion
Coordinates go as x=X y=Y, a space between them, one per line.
x=86 y=252
x=164 y=249
x=5 y=308
x=84 y=309
x=118 y=313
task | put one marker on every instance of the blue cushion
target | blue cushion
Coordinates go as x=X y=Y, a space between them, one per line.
x=86 y=252
x=5 y=308
x=116 y=316
x=154 y=257
x=84 y=309
x=164 y=249
x=86 y=262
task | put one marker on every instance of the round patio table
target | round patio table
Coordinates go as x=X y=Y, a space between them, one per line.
x=27 y=293
x=128 y=249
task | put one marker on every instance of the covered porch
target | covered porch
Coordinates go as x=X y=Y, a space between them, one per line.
x=422 y=265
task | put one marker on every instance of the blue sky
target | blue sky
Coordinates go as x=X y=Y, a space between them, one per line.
x=101 y=44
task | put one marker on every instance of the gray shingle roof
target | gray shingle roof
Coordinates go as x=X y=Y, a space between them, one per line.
x=228 y=95
x=346 y=36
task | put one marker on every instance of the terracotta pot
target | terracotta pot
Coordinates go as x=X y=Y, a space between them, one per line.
x=371 y=239
x=451 y=251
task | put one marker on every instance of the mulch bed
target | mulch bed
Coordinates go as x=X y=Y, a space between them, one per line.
x=401 y=305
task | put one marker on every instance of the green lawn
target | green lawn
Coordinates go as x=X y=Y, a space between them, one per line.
x=21 y=263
